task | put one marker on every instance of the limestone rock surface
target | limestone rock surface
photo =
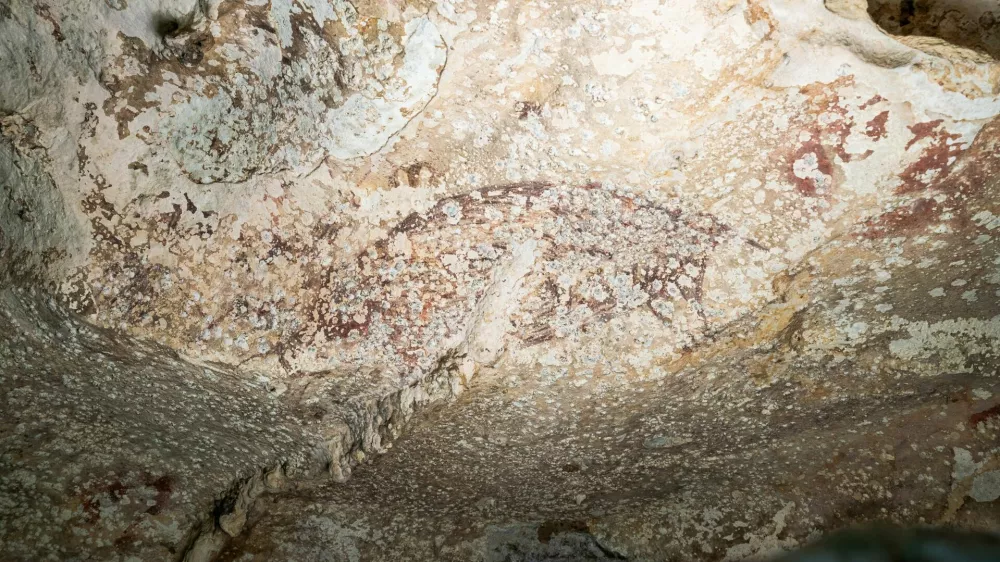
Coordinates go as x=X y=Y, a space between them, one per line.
x=521 y=280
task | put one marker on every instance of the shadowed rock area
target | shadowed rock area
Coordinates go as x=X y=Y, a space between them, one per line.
x=500 y=282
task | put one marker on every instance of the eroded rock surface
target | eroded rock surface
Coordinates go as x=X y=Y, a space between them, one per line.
x=603 y=280
x=96 y=460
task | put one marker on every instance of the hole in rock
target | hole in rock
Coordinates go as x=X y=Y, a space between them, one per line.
x=165 y=25
x=974 y=24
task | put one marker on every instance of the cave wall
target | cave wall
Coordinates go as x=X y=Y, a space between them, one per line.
x=666 y=245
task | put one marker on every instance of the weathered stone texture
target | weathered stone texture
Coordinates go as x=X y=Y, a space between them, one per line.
x=668 y=280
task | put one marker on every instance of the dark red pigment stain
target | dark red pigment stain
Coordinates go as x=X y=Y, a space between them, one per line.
x=922 y=130
x=116 y=489
x=43 y=11
x=875 y=99
x=407 y=298
x=807 y=186
x=92 y=502
x=965 y=177
x=980 y=417
x=936 y=159
x=828 y=139
x=906 y=219
x=164 y=488
x=875 y=128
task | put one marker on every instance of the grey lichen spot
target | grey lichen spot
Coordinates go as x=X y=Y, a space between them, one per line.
x=986 y=487
x=665 y=442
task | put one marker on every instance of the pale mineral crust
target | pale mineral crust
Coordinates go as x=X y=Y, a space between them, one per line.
x=468 y=280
